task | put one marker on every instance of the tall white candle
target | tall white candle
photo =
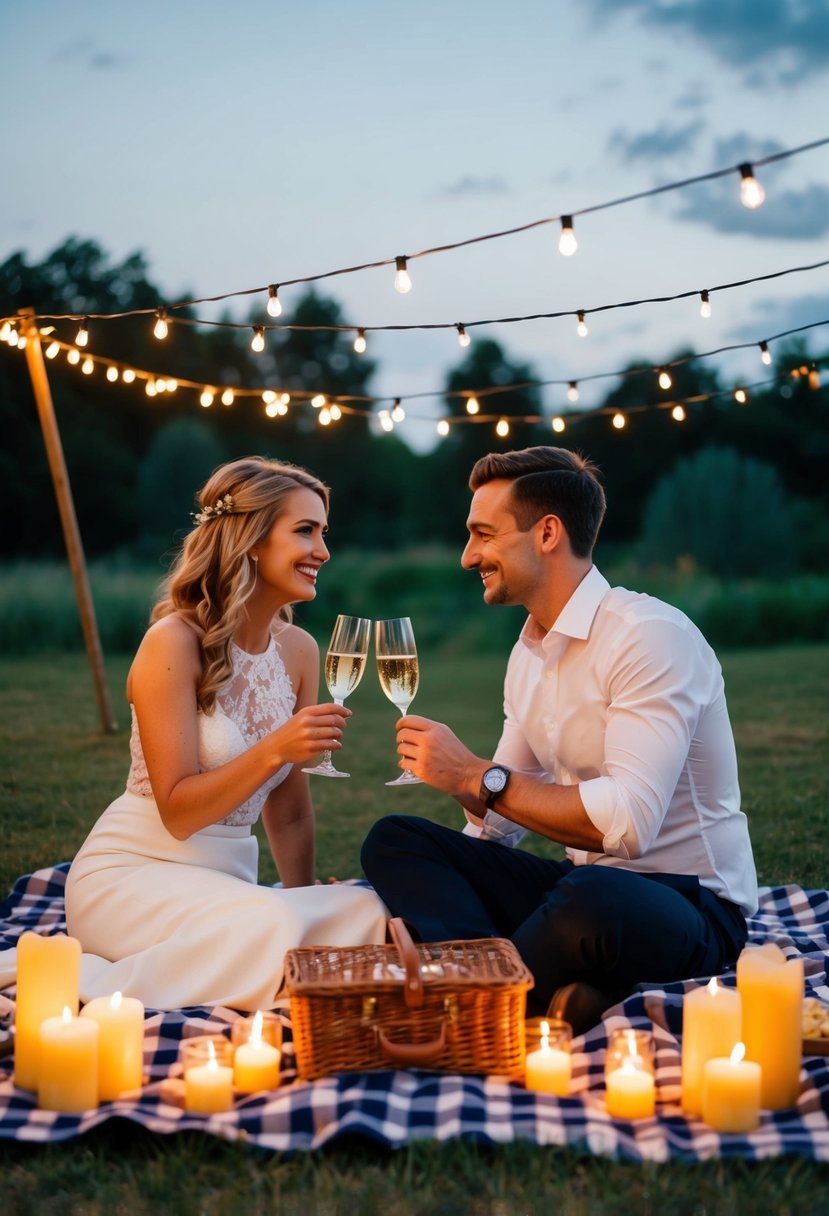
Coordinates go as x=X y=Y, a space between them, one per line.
x=120 y=1022
x=68 y=1064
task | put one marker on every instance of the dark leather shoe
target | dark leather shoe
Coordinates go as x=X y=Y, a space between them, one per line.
x=579 y=1004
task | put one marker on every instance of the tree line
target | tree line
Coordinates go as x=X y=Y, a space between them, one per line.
x=134 y=461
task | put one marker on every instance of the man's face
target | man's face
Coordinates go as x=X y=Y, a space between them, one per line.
x=506 y=558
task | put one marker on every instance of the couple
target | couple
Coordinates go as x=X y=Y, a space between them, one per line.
x=616 y=744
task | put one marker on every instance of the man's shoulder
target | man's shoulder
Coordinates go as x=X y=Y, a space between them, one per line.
x=639 y=606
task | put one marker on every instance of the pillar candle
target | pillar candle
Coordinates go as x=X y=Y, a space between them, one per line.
x=48 y=976
x=208 y=1088
x=630 y=1092
x=711 y=1027
x=68 y=1064
x=772 y=993
x=731 y=1093
x=120 y=1023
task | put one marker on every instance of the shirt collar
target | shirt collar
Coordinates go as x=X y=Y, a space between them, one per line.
x=576 y=616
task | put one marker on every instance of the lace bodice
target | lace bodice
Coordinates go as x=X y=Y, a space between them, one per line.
x=256 y=699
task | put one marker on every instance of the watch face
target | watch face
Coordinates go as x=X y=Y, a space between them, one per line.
x=495 y=779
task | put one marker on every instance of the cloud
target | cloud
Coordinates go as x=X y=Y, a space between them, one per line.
x=469 y=184
x=648 y=145
x=775 y=316
x=774 y=40
x=84 y=51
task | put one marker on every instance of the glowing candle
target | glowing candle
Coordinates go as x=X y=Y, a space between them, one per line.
x=548 y=1066
x=48 y=975
x=630 y=1090
x=256 y=1061
x=68 y=1064
x=772 y=992
x=120 y=1022
x=208 y=1087
x=711 y=1027
x=731 y=1093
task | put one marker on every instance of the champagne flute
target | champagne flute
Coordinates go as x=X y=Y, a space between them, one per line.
x=345 y=662
x=398 y=671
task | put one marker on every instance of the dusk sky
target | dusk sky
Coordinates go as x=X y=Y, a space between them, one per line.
x=236 y=145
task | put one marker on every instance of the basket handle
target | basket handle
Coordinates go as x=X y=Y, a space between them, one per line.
x=412 y=1053
x=402 y=938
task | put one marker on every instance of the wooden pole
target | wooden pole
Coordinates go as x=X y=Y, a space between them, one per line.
x=68 y=519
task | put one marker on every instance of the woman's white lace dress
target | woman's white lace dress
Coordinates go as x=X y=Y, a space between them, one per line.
x=183 y=922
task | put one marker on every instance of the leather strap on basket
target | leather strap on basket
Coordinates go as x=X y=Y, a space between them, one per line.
x=413 y=988
x=413 y=1053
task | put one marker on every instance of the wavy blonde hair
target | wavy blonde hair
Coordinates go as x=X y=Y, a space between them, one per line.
x=213 y=575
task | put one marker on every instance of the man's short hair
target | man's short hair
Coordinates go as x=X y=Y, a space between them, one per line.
x=549 y=481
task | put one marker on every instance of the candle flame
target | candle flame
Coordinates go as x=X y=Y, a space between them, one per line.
x=632 y=1047
x=115 y=1000
x=212 y=1062
x=256 y=1028
x=67 y=1014
x=713 y=986
x=737 y=1053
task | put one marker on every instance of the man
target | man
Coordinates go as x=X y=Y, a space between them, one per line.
x=616 y=744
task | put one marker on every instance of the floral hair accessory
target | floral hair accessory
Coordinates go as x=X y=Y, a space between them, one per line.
x=222 y=506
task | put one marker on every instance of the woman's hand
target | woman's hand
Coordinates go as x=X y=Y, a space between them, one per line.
x=313 y=729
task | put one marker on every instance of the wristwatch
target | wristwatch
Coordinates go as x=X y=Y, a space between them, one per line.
x=493 y=784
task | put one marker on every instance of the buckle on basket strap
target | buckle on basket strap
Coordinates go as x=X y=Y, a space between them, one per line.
x=413 y=986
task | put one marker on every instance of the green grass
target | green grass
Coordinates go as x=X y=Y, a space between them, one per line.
x=58 y=771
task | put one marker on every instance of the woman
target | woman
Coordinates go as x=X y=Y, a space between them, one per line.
x=223 y=692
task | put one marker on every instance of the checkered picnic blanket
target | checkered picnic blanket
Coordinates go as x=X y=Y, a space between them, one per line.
x=396 y=1107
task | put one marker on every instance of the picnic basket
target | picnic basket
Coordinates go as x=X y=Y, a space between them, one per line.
x=454 y=1006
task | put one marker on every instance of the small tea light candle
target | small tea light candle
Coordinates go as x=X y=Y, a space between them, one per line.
x=68 y=1064
x=257 y=1056
x=208 y=1076
x=630 y=1090
x=120 y=1023
x=731 y=1092
x=548 y=1056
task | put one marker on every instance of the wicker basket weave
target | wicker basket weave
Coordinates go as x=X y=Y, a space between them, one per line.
x=451 y=1006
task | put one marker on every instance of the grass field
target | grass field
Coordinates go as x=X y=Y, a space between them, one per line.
x=58 y=772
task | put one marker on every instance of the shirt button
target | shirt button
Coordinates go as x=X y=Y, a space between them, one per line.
x=550 y=674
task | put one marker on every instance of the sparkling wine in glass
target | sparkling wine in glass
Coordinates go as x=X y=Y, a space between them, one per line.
x=345 y=663
x=398 y=671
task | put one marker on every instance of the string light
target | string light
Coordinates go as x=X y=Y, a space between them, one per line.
x=5 y=331
x=128 y=376
x=360 y=342
x=472 y=405
x=704 y=305
x=385 y=420
x=678 y=413
x=82 y=336
x=619 y=421
x=207 y=398
x=257 y=342
x=463 y=337
x=22 y=342
x=664 y=379
x=751 y=192
x=765 y=353
x=73 y=356
x=160 y=329
x=52 y=350
x=150 y=388
x=558 y=424
x=112 y=374
x=397 y=413
x=319 y=401
x=269 y=396
x=227 y=397
x=402 y=281
x=285 y=400
x=567 y=243
x=160 y=384
x=272 y=409
x=740 y=395
x=274 y=305
x=502 y=428
x=324 y=416
x=573 y=391
x=335 y=412
x=13 y=338
x=443 y=427
x=581 y=328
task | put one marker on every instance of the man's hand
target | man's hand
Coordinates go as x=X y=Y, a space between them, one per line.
x=433 y=753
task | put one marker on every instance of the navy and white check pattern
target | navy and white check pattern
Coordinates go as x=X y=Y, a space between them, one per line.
x=396 y=1107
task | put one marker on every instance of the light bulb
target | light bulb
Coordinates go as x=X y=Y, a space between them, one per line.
x=74 y=356
x=128 y=376
x=319 y=401
x=336 y=413
x=13 y=338
x=573 y=391
x=751 y=192
x=397 y=413
x=5 y=331
x=765 y=353
x=664 y=379
x=443 y=427
x=567 y=243
x=82 y=336
x=619 y=421
x=22 y=342
x=227 y=397
x=472 y=405
x=705 y=305
x=207 y=398
x=502 y=428
x=172 y=385
x=558 y=425
x=160 y=329
x=52 y=349
x=385 y=420
x=581 y=328
x=678 y=413
x=463 y=337
x=112 y=374
x=160 y=385
x=150 y=389
x=325 y=416
x=272 y=409
x=402 y=282
x=274 y=305
x=282 y=405
x=87 y=367
x=741 y=396
x=269 y=396
x=285 y=399
x=257 y=342
x=360 y=342
x=814 y=378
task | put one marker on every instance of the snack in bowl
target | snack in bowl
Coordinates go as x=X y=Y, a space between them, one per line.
x=815 y=1025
